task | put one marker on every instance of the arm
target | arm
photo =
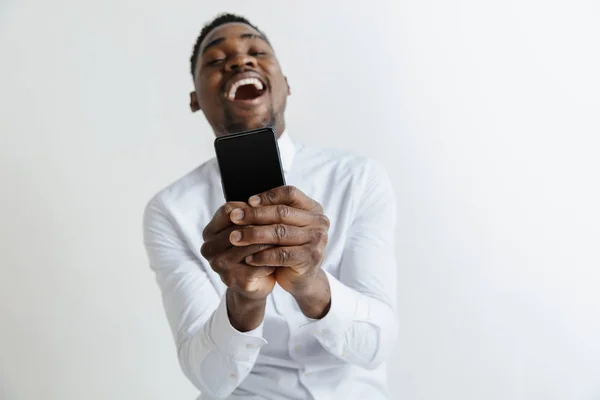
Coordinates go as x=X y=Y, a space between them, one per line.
x=360 y=326
x=352 y=317
x=214 y=355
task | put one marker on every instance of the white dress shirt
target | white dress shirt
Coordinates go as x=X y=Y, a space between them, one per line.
x=289 y=356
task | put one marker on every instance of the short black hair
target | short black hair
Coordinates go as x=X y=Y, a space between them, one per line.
x=221 y=19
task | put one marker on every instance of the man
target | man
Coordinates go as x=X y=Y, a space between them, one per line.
x=289 y=295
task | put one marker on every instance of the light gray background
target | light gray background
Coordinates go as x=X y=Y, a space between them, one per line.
x=484 y=112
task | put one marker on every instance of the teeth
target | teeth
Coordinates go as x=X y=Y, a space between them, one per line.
x=246 y=81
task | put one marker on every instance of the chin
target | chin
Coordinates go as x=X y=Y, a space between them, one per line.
x=246 y=124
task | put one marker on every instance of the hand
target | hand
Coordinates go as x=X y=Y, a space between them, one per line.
x=296 y=226
x=228 y=261
x=247 y=287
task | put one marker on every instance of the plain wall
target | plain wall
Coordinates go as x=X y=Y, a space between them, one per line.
x=486 y=114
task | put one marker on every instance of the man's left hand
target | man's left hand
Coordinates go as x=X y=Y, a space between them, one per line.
x=295 y=223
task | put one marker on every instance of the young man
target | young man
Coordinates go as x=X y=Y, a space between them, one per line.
x=289 y=295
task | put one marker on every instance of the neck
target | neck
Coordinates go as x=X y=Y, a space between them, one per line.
x=278 y=127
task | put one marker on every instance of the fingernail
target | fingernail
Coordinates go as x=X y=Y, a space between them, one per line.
x=249 y=259
x=236 y=236
x=237 y=214
x=254 y=201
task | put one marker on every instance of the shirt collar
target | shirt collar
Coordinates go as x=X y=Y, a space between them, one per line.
x=287 y=151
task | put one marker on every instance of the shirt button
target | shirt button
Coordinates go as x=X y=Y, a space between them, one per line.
x=250 y=346
x=297 y=347
x=233 y=376
x=307 y=373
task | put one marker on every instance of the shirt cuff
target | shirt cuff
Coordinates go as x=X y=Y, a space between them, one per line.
x=241 y=346
x=347 y=306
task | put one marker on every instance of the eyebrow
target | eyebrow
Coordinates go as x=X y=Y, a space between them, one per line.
x=242 y=36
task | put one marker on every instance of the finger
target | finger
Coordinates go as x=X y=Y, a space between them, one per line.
x=235 y=256
x=221 y=218
x=277 y=214
x=218 y=243
x=279 y=234
x=239 y=254
x=281 y=256
x=287 y=195
x=258 y=271
x=232 y=266
x=244 y=277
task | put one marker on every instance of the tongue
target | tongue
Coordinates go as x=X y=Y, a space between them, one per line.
x=247 y=92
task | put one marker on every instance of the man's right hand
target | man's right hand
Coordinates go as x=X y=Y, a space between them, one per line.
x=248 y=287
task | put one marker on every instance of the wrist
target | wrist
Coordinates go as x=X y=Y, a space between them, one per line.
x=314 y=296
x=243 y=301
x=244 y=314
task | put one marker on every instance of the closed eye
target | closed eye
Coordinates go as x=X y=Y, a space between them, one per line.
x=257 y=53
x=215 y=61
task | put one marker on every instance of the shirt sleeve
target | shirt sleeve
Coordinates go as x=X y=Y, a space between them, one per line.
x=361 y=326
x=213 y=354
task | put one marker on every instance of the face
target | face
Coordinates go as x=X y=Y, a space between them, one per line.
x=238 y=81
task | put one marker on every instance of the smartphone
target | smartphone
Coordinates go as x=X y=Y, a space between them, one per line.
x=249 y=163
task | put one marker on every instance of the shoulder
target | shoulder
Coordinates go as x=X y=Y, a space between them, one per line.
x=192 y=184
x=360 y=168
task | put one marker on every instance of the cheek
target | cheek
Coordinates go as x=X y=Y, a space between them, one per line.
x=209 y=79
x=208 y=88
x=278 y=82
x=282 y=90
x=272 y=70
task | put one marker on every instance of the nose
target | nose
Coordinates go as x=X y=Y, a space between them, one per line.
x=240 y=61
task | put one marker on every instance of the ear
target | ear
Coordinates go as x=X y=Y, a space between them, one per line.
x=288 y=85
x=194 y=106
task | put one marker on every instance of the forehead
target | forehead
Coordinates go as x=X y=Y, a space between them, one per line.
x=231 y=30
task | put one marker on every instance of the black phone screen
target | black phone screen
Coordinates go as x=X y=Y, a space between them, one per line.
x=249 y=163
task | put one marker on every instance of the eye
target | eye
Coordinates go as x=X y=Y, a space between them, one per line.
x=215 y=61
x=257 y=53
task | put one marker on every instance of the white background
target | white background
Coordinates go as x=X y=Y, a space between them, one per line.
x=486 y=114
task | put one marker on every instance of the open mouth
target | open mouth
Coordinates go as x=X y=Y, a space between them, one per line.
x=246 y=89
